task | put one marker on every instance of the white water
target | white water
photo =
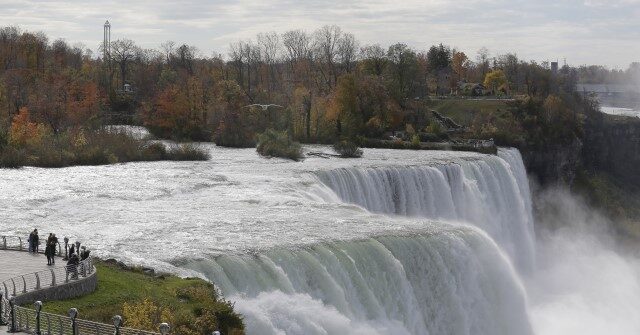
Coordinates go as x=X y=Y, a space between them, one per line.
x=427 y=245
x=620 y=111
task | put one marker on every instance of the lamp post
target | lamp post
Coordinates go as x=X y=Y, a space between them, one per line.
x=117 y=322
x=38 y=306
x=73 y=314
x=164 y=328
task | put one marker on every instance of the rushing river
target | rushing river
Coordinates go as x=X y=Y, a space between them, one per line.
x=398 y=242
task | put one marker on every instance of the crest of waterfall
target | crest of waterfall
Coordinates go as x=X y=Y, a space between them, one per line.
x=491 y=193
x=454 y=280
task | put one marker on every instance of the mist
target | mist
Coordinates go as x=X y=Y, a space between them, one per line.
x=585 y=284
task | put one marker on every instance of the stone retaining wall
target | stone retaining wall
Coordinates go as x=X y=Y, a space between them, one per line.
x=69 y=290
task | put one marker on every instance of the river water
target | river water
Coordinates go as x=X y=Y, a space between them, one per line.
x=401 y=242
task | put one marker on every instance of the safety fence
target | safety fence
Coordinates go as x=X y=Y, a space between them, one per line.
x=17 y=243
x=34 y=321
x=47 y=278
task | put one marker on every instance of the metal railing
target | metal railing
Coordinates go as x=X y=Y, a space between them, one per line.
x=35 y=321
x=17 y=243
x=47 y=278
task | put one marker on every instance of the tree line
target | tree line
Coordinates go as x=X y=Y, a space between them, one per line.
x=326 y=85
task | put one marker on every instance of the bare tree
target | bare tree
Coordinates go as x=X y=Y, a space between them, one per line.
x=167 y=48
x=124 y=51
x=482 y=60
x=269 y=44
x=347 y=51
x=326 y=48
x=297 y=44
x=374 y=58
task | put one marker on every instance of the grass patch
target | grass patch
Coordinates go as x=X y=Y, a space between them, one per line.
x=465 y=111
x=190 y=306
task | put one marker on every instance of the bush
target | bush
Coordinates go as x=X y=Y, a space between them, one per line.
x=347 y=149
x=11 y=157
x=274 y=143
x=187 y=152
x=154 y=152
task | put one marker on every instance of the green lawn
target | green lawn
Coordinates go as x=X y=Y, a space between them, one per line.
x=192 y=305
x=464 y=111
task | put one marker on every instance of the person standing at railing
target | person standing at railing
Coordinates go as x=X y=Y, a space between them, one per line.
x=52 y=242
x=72 y=265
x=84 y=254
x=34 y=241
x=50 y=252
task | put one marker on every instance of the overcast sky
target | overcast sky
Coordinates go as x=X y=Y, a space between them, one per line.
x=605 y=32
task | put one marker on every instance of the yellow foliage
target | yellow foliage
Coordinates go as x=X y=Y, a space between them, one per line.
x=145 y=315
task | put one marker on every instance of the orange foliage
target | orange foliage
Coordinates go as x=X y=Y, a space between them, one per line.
x=23 y=132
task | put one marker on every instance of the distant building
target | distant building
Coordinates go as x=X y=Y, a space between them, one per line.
x=554 y=67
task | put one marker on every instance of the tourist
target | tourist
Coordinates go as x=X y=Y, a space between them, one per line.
x=72 y=249
x=36 y=240
x=33 y=241
x=50 y=251
x=84 y=254
x=72 y=265
x=54 y=241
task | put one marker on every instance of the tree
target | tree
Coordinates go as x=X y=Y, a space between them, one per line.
x=403 y=67
x=459 y=64
x=344 y=107
x=374 y=59
x=482 y=60
x=496 y=80
x=124 y=51
x=439 y=57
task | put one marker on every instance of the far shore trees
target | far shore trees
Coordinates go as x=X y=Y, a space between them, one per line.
x=328 y=85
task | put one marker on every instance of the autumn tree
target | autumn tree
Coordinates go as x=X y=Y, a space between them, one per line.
x=344 y=107
x=459 y=64
x=496 y=80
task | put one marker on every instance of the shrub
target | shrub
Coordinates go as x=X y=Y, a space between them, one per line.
x=187 y=152
x=273 y=143
x=415 y=141
x=11 y=157
x=347 y=149
x=154 y=152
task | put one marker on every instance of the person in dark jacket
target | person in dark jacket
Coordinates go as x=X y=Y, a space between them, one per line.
x=84 y=254
x=36 y=240
x=72 y=265
x=49 y=251
x=54 y=241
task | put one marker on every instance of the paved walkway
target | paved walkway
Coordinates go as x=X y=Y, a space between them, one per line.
x=15 y=263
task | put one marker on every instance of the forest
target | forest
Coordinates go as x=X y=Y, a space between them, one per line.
x=318 y=87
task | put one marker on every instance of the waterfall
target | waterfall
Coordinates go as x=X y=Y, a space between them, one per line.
x=491 y=193
x=457 y=275
x=454 y=280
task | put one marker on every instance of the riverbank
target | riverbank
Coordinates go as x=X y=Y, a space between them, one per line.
x=145 y=299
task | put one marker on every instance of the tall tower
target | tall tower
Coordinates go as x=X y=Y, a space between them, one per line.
x=107 y=41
